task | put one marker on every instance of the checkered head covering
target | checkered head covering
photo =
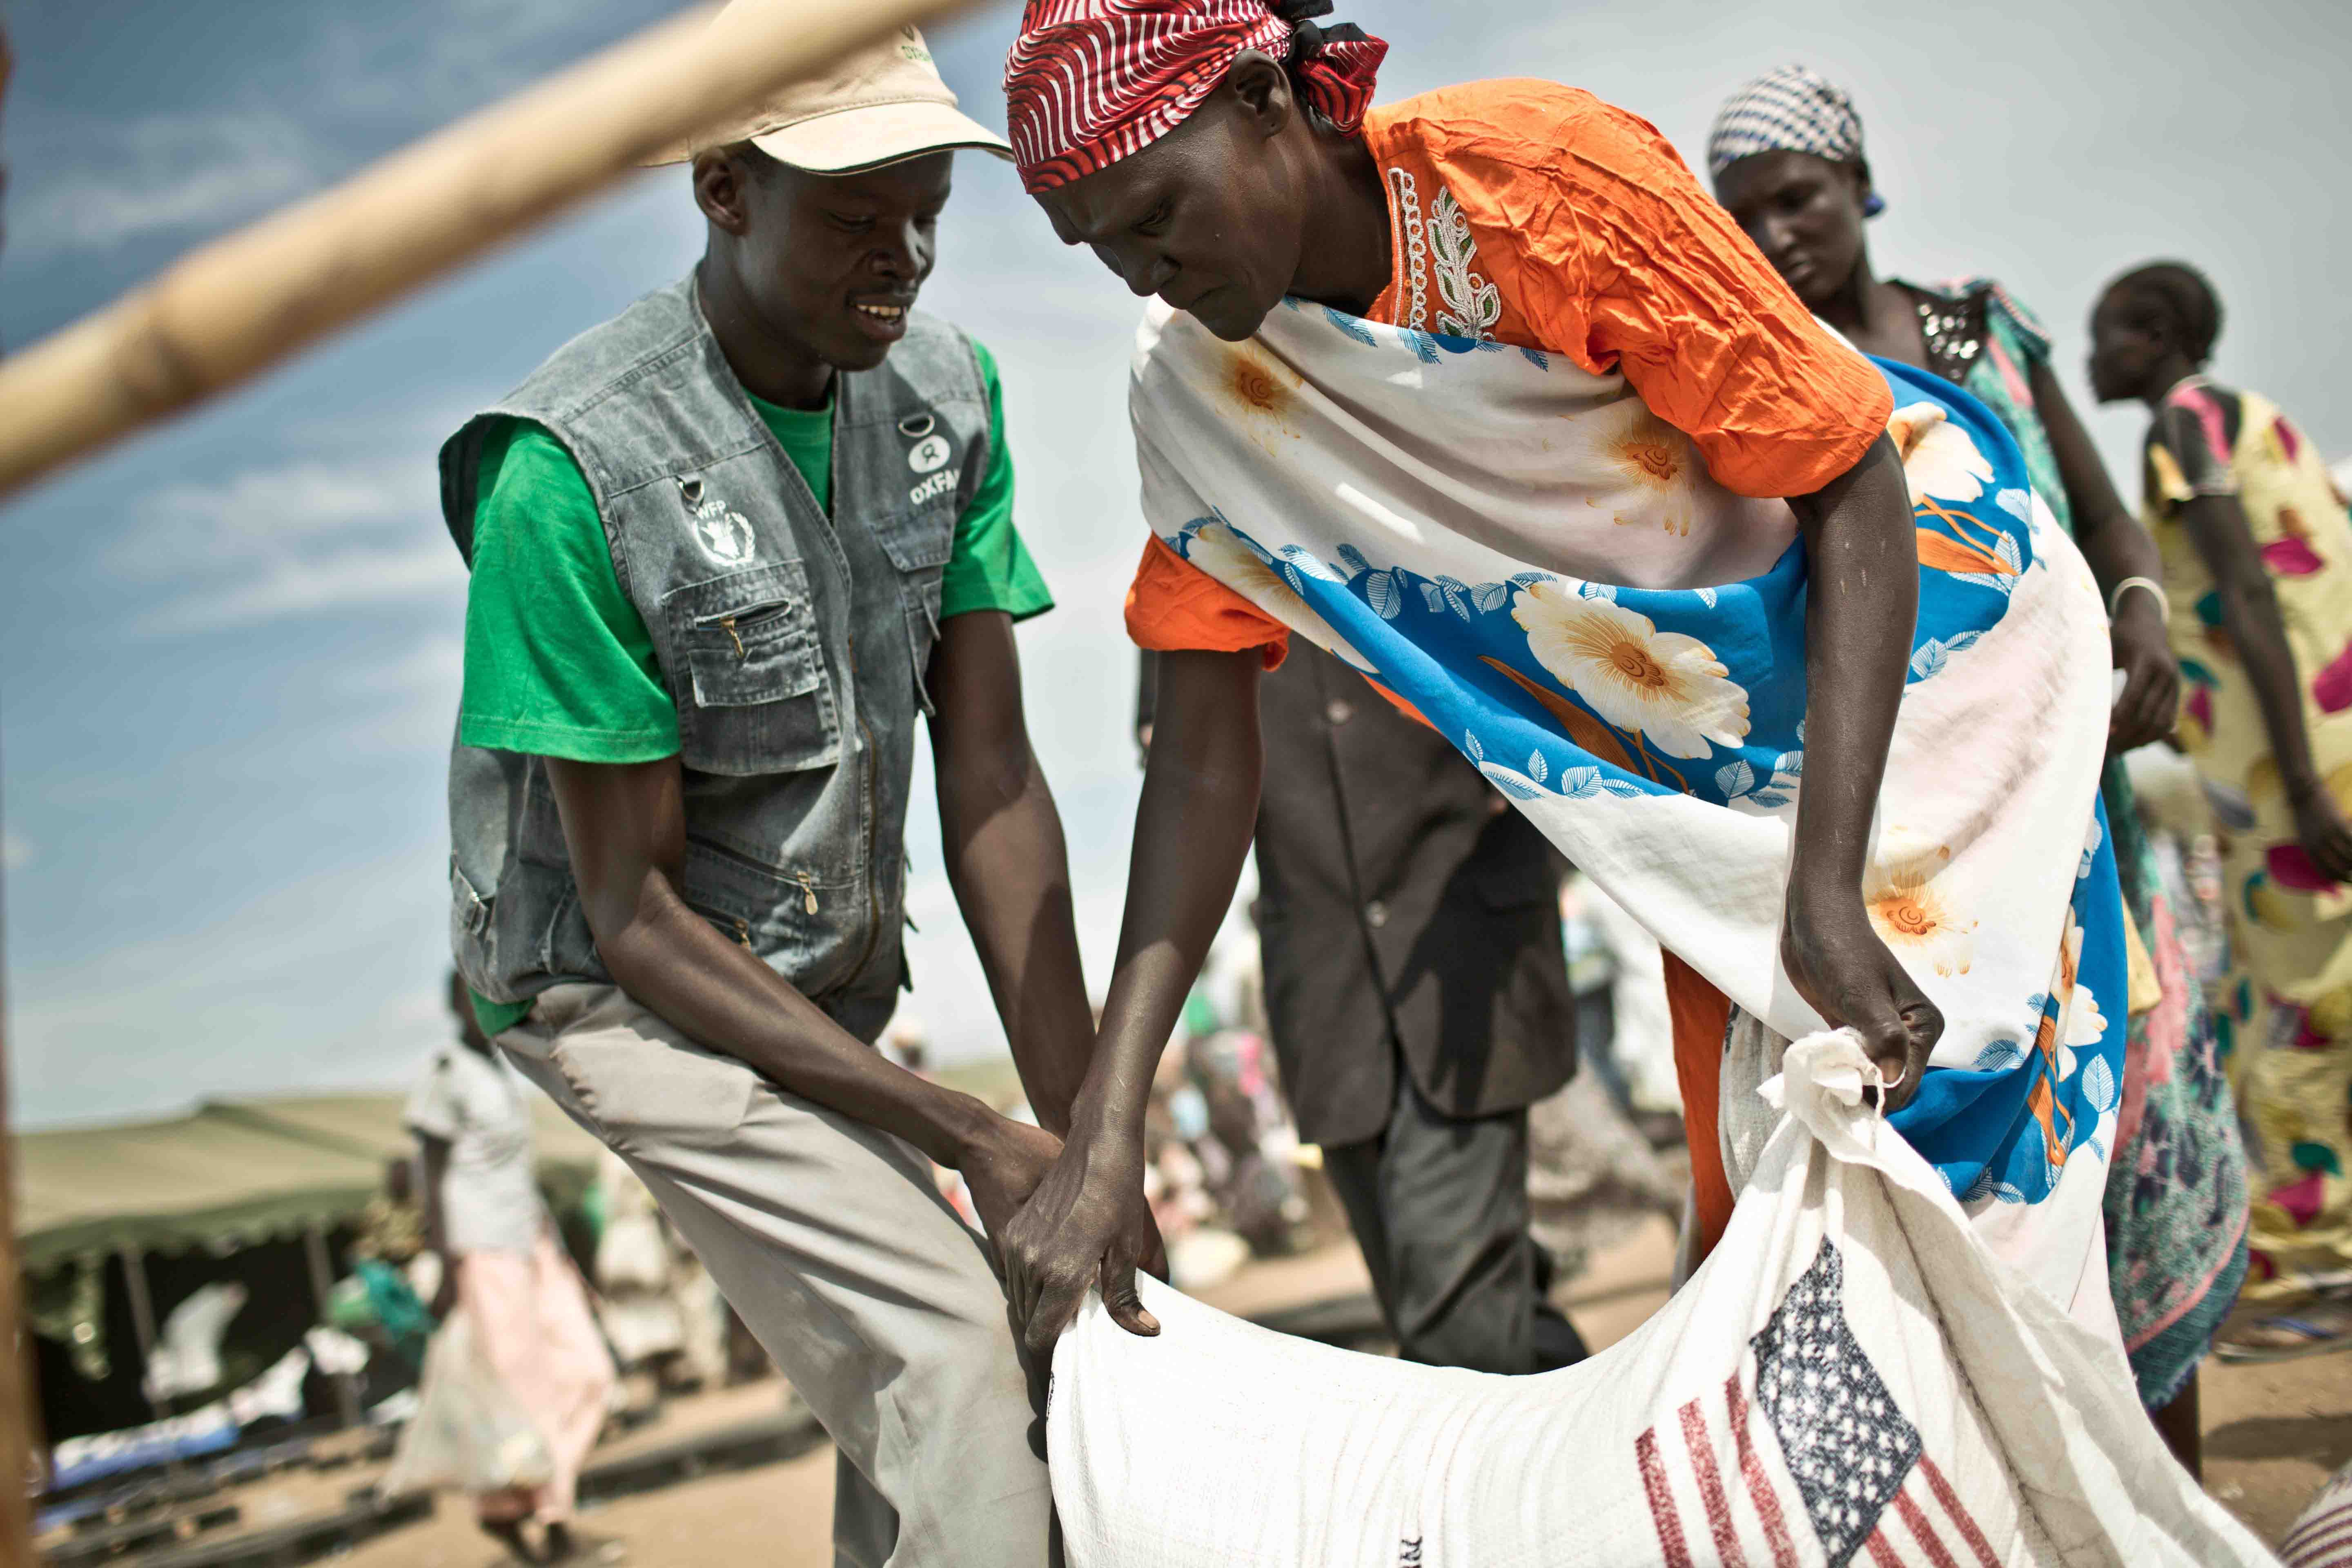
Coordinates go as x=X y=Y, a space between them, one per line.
x=1091 y=81
x=1792 y=110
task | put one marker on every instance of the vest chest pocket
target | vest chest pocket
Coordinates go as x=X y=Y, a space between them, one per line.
x=919 y=544
x=920 y=541
x=755 y=698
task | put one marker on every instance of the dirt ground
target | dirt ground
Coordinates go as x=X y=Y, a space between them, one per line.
x=2273 y=1435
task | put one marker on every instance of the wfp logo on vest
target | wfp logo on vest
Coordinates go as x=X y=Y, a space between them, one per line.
x=726 y=533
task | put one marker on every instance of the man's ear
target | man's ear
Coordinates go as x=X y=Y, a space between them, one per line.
x=722 y=188
x=1262 y=88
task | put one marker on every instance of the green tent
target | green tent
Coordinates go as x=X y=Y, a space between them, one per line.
x=229 y=1174
x=238 y=1170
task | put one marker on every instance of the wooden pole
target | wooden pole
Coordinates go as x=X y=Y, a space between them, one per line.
x=232 y=309
x=20 y=1422
x=322 y=1286
x=142 y=1321
x=21 y=1471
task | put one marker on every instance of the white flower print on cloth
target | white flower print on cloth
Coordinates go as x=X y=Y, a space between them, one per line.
x=1918 y=920
x=1215 y=549
x=2083 y=1024
x=1948 y=472
x=1939 y=461
x=1670 y=687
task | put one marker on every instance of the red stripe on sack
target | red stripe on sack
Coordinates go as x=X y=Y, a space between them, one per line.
x=1916 y=1518
x=1710 y=1487
x=2334 y=1536
x=2334 y=1523
x=1759 y=1485
x=1882 y=1550
x=1960 y=1516
x=1662 y=1501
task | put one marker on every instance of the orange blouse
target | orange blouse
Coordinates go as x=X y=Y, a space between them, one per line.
x=1590 y=238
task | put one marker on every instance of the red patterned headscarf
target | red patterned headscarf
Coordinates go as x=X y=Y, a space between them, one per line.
x=1092 y=82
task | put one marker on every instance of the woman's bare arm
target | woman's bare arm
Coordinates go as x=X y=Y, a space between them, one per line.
x=1861 y=603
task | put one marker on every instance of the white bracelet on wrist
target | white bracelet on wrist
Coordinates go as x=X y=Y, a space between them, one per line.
x=2116 y=599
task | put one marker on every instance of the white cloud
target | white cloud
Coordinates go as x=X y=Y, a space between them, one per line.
x=433 y=666
x=321 y=981
x=16 y=850
x=108 y=181
x=293 y=539
x=288 y=586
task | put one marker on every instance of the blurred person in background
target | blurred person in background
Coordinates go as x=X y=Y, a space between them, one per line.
x=658 y=1308
x=395 y=1273
x=1410 y=935
x=2257 y=557
x=1788 y=160
x=730 y=551
x=502 y=1265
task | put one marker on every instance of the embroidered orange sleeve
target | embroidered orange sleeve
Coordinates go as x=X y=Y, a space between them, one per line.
x=1605 y=248
x=1173 y=606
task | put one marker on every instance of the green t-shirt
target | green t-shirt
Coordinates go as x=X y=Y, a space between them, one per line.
x=559 y=662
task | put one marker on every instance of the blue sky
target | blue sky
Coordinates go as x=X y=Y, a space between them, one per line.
x=228 y=651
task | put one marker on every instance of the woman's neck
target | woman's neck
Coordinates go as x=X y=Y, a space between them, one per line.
x=1877 y=317
x=2166 y=376
x=1345 y=258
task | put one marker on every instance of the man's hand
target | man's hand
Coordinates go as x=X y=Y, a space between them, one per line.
x=1002 y=1168
x=1841 y=969
x=1087 y=1225
x=2320 y=828
x=2151 y=695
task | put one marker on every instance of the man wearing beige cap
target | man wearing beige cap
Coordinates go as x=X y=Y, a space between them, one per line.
x=727 y=550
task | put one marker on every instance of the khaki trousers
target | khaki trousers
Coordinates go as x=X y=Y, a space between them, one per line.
x=828 y=1236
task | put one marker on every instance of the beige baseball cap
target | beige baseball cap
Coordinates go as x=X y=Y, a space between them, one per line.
x=884 y=104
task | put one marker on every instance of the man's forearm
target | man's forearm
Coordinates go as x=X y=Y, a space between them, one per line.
x=716 y=992
x=1192 y=832
x=1010 y=869
x=1863 y=599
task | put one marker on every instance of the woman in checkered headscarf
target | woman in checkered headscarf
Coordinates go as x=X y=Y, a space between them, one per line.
x=1788 y=160
x=1553 y=555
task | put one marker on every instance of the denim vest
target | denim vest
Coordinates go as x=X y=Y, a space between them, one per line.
x=794 y=644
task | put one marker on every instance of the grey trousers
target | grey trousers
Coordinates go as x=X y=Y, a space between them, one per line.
x=829 y=1238
x=1439 y=1205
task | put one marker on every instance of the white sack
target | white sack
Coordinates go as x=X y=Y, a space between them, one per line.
x=468 y=1432
x=1850 y=1376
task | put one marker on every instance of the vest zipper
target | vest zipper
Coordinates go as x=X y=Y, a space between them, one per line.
x=743 y=932
x=865 y=793
x=729 y=622
x=808 y=893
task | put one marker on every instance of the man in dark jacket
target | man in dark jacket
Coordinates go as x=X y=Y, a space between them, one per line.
x=1410 y=928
